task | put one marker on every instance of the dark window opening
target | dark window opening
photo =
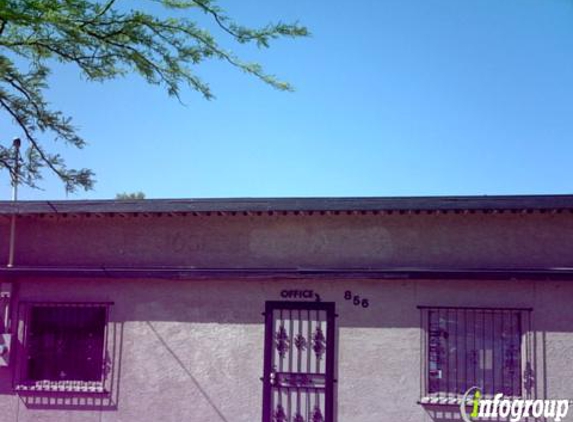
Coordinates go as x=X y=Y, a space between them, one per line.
x=65 y=347
x=471 y=347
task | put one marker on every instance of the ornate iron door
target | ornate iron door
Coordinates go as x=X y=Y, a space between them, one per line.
x=299 y=362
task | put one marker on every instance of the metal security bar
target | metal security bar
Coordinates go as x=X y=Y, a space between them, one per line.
x=487 y=348
x=299 y=362
x=65 y=347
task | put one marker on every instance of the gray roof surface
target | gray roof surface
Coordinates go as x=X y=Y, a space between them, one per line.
x=255 y=205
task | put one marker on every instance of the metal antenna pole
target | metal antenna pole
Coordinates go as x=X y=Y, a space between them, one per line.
x=15 y=180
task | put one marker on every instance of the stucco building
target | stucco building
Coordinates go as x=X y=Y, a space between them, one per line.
x=298 y=310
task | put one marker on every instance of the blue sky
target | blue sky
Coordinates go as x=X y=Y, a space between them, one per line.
x=393 y=98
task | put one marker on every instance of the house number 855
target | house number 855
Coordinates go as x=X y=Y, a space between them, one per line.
x=356 y=300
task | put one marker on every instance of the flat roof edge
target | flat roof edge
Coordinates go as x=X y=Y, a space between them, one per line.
x=292 y=273
x=266 y=205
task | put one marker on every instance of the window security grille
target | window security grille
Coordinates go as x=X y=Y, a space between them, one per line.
x=64 y=347
x=482 y=347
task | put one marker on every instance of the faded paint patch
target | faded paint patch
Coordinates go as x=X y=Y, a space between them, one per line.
x=291 y=241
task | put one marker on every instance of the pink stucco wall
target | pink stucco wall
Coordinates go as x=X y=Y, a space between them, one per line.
x=192 y=350
x=438 y=240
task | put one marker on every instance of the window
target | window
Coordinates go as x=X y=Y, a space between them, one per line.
x=466 y=347
x=65 y=347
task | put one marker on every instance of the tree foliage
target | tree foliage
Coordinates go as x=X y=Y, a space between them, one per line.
x=124 y=196
x=105 y=42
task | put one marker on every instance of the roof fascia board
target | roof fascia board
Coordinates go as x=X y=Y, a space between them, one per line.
x=293 y=273
x=266 y=205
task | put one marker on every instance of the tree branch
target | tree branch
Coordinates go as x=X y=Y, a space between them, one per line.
x=31 y=139
x=106 y=42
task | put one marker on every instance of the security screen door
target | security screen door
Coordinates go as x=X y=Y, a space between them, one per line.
x=299 y=362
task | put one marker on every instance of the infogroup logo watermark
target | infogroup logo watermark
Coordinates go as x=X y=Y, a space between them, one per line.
x=514 y=409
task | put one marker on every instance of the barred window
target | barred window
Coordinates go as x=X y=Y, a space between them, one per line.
x=467 y=347
x=65 y=347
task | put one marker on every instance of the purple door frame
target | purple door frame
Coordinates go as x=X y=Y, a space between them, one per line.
x=315 y=348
